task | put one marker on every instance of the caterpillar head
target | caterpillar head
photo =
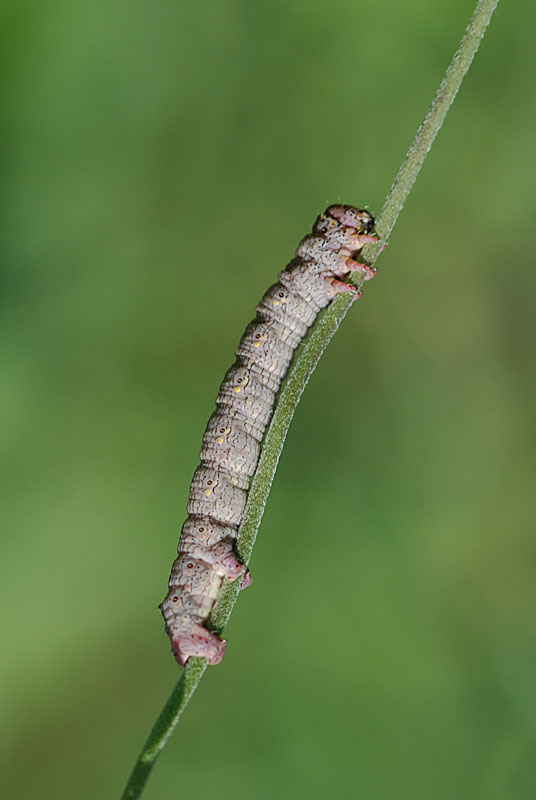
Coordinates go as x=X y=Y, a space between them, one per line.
x=358 y=218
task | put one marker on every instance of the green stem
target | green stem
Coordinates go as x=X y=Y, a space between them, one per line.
x=298 y=377
x=458 y=67
x=163 y=727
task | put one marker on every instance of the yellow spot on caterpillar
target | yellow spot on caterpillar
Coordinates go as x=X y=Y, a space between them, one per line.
x=237 y=389
x=208 y=492
x=220 y=440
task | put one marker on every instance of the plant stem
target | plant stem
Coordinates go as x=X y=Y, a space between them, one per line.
x=298 y=377
x=433 y=121
x=163 y=727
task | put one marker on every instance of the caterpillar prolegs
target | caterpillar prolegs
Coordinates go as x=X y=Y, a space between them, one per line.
x=244 y=407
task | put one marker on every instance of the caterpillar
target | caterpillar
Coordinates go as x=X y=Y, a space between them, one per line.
x=244 y=407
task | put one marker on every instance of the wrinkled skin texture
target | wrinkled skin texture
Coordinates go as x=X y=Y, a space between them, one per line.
x=244 y=407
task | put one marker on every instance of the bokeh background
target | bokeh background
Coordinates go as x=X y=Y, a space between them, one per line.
x=161 y=161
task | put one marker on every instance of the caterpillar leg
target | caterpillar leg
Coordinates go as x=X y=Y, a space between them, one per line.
x=355 y=266
x=339 y=286
x=246 y=580
x=365 y=238
x=197 y=642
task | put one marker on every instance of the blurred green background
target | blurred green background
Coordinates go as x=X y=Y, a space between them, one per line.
x=162 y=161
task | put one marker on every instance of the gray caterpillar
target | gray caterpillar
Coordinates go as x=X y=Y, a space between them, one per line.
x=244 y=407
